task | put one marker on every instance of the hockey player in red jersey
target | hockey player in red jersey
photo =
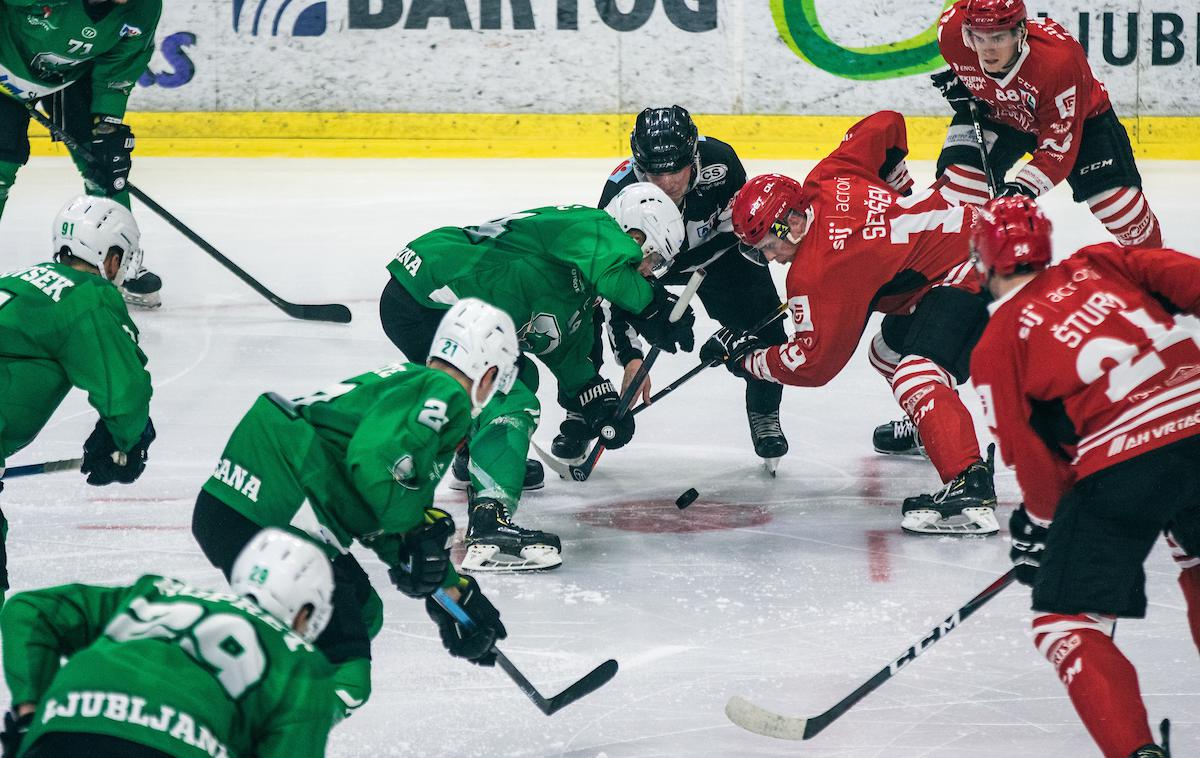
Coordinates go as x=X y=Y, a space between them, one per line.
x=1033 y=81
x=1092 y=388
x=857 y=245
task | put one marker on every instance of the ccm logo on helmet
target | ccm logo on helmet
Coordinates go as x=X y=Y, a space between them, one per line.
x=713 y=174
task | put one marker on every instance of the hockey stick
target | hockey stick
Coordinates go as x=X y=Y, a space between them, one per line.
x=592 y=681
x=581 y=472
x=752 y=718
x=335 y=312
x=49 y=467
x=770 y=319
x=979 y=140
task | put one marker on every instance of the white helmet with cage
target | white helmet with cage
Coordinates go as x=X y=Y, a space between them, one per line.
x=472 y=337
x=645 y=207
x=284 y=573
x=89 y=228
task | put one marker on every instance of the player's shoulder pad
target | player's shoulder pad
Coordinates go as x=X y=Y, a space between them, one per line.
x=622 y=172
x=715 y=158
x=950 y=17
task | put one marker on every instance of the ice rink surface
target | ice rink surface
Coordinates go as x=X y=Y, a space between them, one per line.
x=789 y=592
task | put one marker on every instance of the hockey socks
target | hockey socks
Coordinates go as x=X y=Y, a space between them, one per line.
x=925 y=391
x=1189 y=582
x=1126 y=214
x=1100 y=680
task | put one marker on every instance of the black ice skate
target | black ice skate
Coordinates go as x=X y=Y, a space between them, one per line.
x=769 y=442
x=460 y=476
x=495 y=543
x=967 y=505
x=570 y=447
x=898 y=438
x=142 y=289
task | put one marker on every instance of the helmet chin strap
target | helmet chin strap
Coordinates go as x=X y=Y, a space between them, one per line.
x=808 y=219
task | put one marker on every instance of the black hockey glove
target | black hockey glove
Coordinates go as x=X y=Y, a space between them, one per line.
x=112 y=142
x=424 y=555
x=15 y=729
x=729 y=347
x=1015 y=189
x=654 y=323
x=955 y=92
x=105 y=464
x=1028 y=543
x=598 y=403
x=477 y=643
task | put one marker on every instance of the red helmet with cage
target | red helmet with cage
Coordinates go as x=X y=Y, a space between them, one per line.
x=761 y=202
x=1011 y=233
x=993 y=15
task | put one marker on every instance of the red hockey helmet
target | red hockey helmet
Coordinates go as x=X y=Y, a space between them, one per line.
x=761 y=202
x=1011 y=233
x=993 y=15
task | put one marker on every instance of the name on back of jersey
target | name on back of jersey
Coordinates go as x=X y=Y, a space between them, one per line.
x=409 y=260
x=238 y=478
x=51 y=283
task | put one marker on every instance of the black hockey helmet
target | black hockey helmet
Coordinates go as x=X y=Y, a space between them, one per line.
x=663 y=140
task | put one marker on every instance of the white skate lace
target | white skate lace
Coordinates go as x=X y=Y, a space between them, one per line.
x=903 y=428
x=765 y=425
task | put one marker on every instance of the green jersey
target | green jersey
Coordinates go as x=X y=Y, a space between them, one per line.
x=359 y=460
x=61 y=328
x=544 y=267
x=48 y=44
x=182 y=670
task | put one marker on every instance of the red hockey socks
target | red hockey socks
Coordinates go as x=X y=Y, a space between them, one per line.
x=925 y=391
x=1100 y=680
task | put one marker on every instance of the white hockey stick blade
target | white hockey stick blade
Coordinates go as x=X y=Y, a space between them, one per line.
x=557 y=466
x=750 y=717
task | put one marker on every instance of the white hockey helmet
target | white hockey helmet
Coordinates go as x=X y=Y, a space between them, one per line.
x=90 y=227
x=472 y=337
x=283 y=573
x=645 y=207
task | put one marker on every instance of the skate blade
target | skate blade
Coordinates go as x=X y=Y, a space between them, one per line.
x=459 y=485
x=770 y=465
x=482 y=558
x=971 y=522
x=912 y=452
x=146 y=302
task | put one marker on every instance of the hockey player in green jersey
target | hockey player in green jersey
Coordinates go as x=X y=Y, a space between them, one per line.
x=63 y=325
x=360 y=461
x=159 y=669
x=547 y=268
x=80 y=58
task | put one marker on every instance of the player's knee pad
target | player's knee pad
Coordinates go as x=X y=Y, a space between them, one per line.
x=1058 y=636
x=1126 y=214
x=961 y=184
x=915 y=381
x=883 y=358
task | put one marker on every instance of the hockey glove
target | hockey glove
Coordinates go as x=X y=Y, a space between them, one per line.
x=598 y=403
x=15 y=729
x=655 y=325
x=112 y=142
x=1028 y=543
x=952 y=88
x=478 y=643
x=729 y=347
x=1016 y=189
x=105 y=464
x=424 y=555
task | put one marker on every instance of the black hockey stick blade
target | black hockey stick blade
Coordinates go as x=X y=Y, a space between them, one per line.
x=759 y=720
x=592 y=681
x=49 y=467
x=334 y=312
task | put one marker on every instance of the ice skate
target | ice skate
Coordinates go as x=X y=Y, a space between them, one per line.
x=769 y=442
x=967 y=505
x=898 y=438
x=143 y=290
x=495 y=543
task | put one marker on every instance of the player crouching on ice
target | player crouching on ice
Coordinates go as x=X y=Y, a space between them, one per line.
x=1089 y=384
x=360 y=461
x=856 y=241
x=547 y=268
x=62 y=325
x=159 y=669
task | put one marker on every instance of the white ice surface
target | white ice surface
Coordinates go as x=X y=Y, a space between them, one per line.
x=789 y=591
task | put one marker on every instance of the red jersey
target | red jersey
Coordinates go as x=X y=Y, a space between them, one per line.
x=1085 y=367
x=1048 y=93
x=866 y=249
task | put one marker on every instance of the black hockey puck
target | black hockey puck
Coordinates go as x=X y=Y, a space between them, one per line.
x=686 y=499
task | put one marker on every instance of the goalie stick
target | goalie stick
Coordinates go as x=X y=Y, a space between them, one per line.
x=752 y=718
x=49 y=467
x=592 y=681
x=334 y=312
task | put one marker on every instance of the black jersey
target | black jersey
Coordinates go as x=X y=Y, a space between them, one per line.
x=706 y=207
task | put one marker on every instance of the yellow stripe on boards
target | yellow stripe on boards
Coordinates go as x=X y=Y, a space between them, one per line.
x=505 y=135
